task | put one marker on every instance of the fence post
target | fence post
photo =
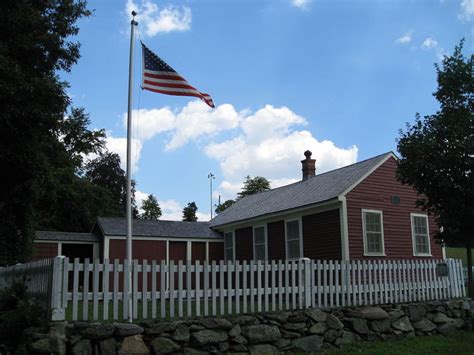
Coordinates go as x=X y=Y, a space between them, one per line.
x=58 y=313
x=307 y=283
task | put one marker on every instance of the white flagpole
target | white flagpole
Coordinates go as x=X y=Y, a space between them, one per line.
x=128 y=212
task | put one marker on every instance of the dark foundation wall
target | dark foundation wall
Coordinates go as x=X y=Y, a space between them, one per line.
x=322 y=235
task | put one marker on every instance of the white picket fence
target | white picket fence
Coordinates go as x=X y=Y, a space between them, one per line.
x=101 y=291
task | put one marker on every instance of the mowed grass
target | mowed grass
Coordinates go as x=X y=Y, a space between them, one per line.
x=459 y=253
x=459 y=343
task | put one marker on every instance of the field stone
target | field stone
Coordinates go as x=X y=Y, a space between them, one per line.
x=239 y=339
x=208 y=336
x=41 y=346
x=294 y=326
x=346 y=338
x=310 y=343
x=181 y=333
x=298 y=318
x=395 y=314
x=333 y=322
x=82 y=347
x=216 y=323
x=160 y=328
x=236 y=330
x=416 y=313
x=263 y=349
x=125 y=330
x=403 y=324
x=134 y=345
x=316 y=314
x=289 y=335
x=424 y=325
x=331 y=335
x=380 y=326
x=98 y=331
x=441 y=318
x=359 y=325
x=245 y=320
x=279 y=317
x=192 y=351
x=224 y=346
x=238 y=348
x=108 y=347
x=283 y=343
x=261 y=333
x=162 y=345
x=370 y=313
x=318 y=328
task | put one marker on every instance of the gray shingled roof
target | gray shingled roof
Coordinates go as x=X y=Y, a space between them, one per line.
x=66 y=236
x=142 y=228
x=319 y=188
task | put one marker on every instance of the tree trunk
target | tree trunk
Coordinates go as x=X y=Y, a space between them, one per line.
x=470 y=290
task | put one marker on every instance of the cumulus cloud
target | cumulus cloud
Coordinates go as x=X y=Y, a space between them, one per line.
x=119 y=146
x=155 y=20
x=429 y=43
x=301 y=4
x=467 y=10
x=270 y=146
x=405 y=39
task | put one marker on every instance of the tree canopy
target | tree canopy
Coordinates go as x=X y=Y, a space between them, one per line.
x=437 y=152
x=253 y=185
x=151 y=209
x=35 y=46
x=189 y=212
x=223 y=206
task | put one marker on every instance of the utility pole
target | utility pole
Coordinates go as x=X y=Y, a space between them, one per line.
x=211 y=177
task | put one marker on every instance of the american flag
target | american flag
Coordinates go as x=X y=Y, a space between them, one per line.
x=160 y=77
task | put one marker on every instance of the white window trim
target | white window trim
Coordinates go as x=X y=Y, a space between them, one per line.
x=364 y=233
x=413 y=233
x=266 y=240
x=233 y=246
x=300 y=225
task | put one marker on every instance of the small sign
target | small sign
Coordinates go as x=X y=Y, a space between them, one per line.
x=395 y=200
x=442 y=269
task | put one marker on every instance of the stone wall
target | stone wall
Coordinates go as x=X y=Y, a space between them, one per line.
x=271 y=333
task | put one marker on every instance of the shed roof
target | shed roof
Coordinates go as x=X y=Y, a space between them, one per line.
x=142 y=228
x=66 y=236
x=316 y=189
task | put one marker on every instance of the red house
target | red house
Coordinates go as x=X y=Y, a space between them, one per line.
x=359 y=211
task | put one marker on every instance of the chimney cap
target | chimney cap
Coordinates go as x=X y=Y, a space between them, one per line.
x=308 y=154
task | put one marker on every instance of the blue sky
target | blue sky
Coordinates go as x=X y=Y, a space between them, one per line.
x=337 y=77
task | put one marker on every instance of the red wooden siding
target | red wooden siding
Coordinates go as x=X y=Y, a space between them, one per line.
x=198 y=251
x=244 y=243
x=45 y=250
x=142 y=249
x=276 y=240
x=216 y=251
x=178 y=251
x=376 y=192
x=322 y=235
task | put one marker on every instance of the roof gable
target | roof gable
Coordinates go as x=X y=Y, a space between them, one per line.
x=317 y=189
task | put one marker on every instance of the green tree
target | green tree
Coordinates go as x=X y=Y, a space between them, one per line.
x=189 y=212
x=437 y=154
x=151 y=209
x=253 y=186
x=105 y=171
x=223 y=206
x=35 y=46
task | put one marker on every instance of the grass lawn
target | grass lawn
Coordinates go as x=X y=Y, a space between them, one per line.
x=459 y=253
x=459 y=343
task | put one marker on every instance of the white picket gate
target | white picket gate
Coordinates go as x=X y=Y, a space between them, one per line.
x=101 y=291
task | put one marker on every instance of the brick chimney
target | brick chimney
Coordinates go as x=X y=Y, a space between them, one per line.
x=308 y=166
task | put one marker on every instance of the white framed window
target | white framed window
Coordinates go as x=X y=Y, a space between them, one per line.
x=293 y=238
x=420 y=234
x=372 y=228
x=229 y=246
x=260 y=243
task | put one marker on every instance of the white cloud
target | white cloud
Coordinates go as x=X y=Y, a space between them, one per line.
x=429 y=43
x=467 y=10
x=405 y=39
x=269 y=146
x=155 y=20
x=149 y=123
x=301 y=4
x=139 y=197
x=119 y=146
